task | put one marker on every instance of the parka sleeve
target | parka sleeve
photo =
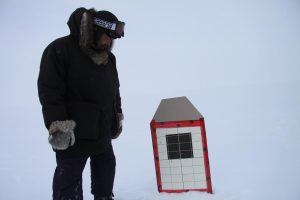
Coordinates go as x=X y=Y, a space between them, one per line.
x=118 y=96
x=118 y=101
x=52 y=86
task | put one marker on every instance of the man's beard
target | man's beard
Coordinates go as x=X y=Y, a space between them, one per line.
x=102 y=48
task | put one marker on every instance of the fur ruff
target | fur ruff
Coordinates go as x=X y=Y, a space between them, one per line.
x=87 y=38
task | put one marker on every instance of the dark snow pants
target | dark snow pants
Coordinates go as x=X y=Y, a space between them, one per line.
x=67 y=180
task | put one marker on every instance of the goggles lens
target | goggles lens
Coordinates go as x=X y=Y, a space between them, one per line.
x=116 y=29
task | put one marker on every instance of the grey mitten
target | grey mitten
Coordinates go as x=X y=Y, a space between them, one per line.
x=61 y=134
x=120 y=118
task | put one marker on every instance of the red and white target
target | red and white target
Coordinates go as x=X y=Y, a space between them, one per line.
x=180 y=147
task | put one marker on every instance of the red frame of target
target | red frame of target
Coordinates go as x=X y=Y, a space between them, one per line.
x=191 y=123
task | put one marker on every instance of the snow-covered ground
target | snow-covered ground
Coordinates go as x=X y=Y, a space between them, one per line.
x=237 y=62
x=253 y=140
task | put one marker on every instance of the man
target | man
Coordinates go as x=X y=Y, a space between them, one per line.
x=78 y=88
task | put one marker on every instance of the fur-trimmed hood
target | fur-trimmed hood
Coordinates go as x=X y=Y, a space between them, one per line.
x=81 y=29
x=75 y=21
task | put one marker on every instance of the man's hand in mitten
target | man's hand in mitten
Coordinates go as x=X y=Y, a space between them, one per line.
x=120 y=118
x=61 y=134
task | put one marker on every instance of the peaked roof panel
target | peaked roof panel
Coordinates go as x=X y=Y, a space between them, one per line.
x=176 y=109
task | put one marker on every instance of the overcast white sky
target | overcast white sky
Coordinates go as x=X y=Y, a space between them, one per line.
x=168 y=45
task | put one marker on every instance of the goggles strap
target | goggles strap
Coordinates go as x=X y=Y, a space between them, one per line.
x=105 y=24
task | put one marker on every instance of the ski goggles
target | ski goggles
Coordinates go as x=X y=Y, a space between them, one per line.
x=115 y=29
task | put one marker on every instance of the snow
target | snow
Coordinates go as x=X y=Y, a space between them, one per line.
x=241 y=72
x=253 y=143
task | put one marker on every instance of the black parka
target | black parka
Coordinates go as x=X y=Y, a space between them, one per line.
x=72 y=87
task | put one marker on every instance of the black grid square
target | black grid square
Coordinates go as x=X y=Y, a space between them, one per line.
x=179 y=146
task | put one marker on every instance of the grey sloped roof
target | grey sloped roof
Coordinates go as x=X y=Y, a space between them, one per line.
x=176 y=109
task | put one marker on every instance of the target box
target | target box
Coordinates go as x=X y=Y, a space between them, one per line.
x=180 y=147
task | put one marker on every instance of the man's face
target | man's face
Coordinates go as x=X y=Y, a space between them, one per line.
x=104 y=43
